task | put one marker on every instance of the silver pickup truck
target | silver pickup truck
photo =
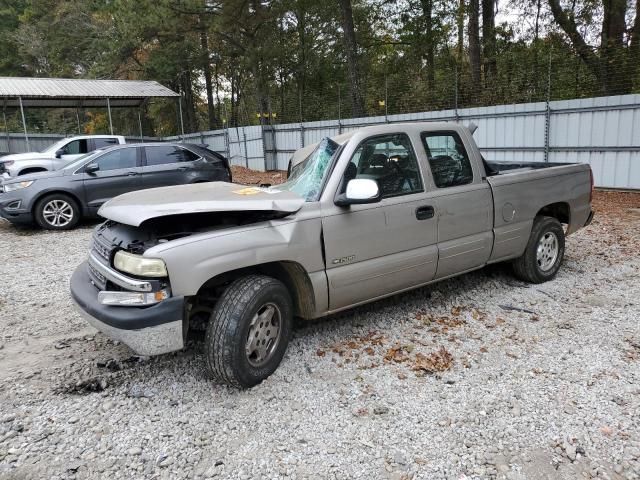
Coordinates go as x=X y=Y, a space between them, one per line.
x=362 y=216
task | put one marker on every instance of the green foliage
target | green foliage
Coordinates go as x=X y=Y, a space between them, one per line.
x=285 y=61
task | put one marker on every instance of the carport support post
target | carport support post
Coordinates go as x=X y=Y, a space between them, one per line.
x=24 y=125
x=110 y=122
x=6 y=127
x=140 y=125
x=180 y=109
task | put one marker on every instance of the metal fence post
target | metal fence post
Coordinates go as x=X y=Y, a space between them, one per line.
x=455 y=93
x=547 y=114
x=339 y=113
x=246 y=151
x=386 y=100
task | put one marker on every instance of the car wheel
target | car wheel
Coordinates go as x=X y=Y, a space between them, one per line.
x=544 y=253
x=57 y=212
x=248 y=331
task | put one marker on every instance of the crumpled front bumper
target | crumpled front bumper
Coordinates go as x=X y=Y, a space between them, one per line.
x=152 y=330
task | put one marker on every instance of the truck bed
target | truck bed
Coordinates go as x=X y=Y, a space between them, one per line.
x=501 y=168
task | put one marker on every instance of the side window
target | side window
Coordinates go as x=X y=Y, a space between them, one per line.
x=76 y=147
x=448 y=159
x=187 y=155
x=162 y=155
x=121 y=158
x=104 y=142
x=388 y=159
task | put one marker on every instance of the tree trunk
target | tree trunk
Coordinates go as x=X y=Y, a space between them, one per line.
x=474 y=44
x=460 y=21
x=616 y=79
x=609 y=67
x=218 y=103
x=489 y=39
x=568 y=25
x=302 y=66
x=635 y=44
x=351 y=51
x=206 y=68
x=427 y=12
x=189 y=110
x=233 y=120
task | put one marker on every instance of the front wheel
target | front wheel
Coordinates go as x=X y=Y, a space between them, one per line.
x=543 y=256
x=57 y=212
x=249 y=331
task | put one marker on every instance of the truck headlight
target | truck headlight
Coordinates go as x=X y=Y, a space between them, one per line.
x=139 y=265
x=10 y=187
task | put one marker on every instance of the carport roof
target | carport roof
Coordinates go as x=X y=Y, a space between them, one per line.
x=67 y=92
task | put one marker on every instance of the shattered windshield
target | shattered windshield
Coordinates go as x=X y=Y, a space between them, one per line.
x=306 y=178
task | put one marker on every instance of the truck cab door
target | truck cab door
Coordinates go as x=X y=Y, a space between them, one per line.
x=374 y=250
x=118 y=172
x=464 y=203
x=71 y=151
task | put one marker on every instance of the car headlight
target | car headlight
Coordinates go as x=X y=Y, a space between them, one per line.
x=139 y=265
x=10 y=187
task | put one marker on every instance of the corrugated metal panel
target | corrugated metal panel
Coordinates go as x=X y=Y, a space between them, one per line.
x=604 y=132
x=67 y=87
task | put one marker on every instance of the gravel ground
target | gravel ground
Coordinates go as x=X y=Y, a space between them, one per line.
x=481 y=376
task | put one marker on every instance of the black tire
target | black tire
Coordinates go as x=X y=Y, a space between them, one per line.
x=227 y=336
x=47 y=222
x=529 y=267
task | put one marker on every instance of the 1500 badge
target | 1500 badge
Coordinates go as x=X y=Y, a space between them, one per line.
x=339 y=261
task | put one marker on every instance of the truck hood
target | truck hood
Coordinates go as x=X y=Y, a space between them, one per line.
x=25 y=156
x=134 y=208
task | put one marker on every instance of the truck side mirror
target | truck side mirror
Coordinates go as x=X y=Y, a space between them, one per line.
x=60 y=152
x=91 y=168
x=359 y=191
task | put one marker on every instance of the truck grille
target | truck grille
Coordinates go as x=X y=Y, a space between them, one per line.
x=103 y=251
x=97 y=278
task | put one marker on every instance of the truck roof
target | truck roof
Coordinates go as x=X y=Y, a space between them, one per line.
x=343 y=138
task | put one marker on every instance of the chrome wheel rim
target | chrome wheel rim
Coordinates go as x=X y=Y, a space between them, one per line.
x=57 y=213
x=264 y=335
x=547 y=251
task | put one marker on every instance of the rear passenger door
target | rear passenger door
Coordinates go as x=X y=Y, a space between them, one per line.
x=71 y=151
x=119 y=172
x=463 y=202
x=167 y=165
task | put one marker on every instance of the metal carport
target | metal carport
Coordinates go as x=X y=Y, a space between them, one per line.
x=26 y=92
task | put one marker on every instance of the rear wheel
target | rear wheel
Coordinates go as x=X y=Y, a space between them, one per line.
x=249 y=331
x=544 y=253
x=57 y=212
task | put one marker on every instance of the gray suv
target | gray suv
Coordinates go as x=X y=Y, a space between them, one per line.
x=57 y=200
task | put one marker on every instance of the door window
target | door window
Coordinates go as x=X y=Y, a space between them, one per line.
x=388 y=159
x=448 y=159
x=118 y=159
x=77 y=147
x=105 y=142
x=164 y=154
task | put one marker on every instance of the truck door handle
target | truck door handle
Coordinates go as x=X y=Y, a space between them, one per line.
x=424 y=212
x=132 y=174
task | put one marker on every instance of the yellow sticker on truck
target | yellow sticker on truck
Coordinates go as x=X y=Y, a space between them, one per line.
x=254 y=191
x=247 y=191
